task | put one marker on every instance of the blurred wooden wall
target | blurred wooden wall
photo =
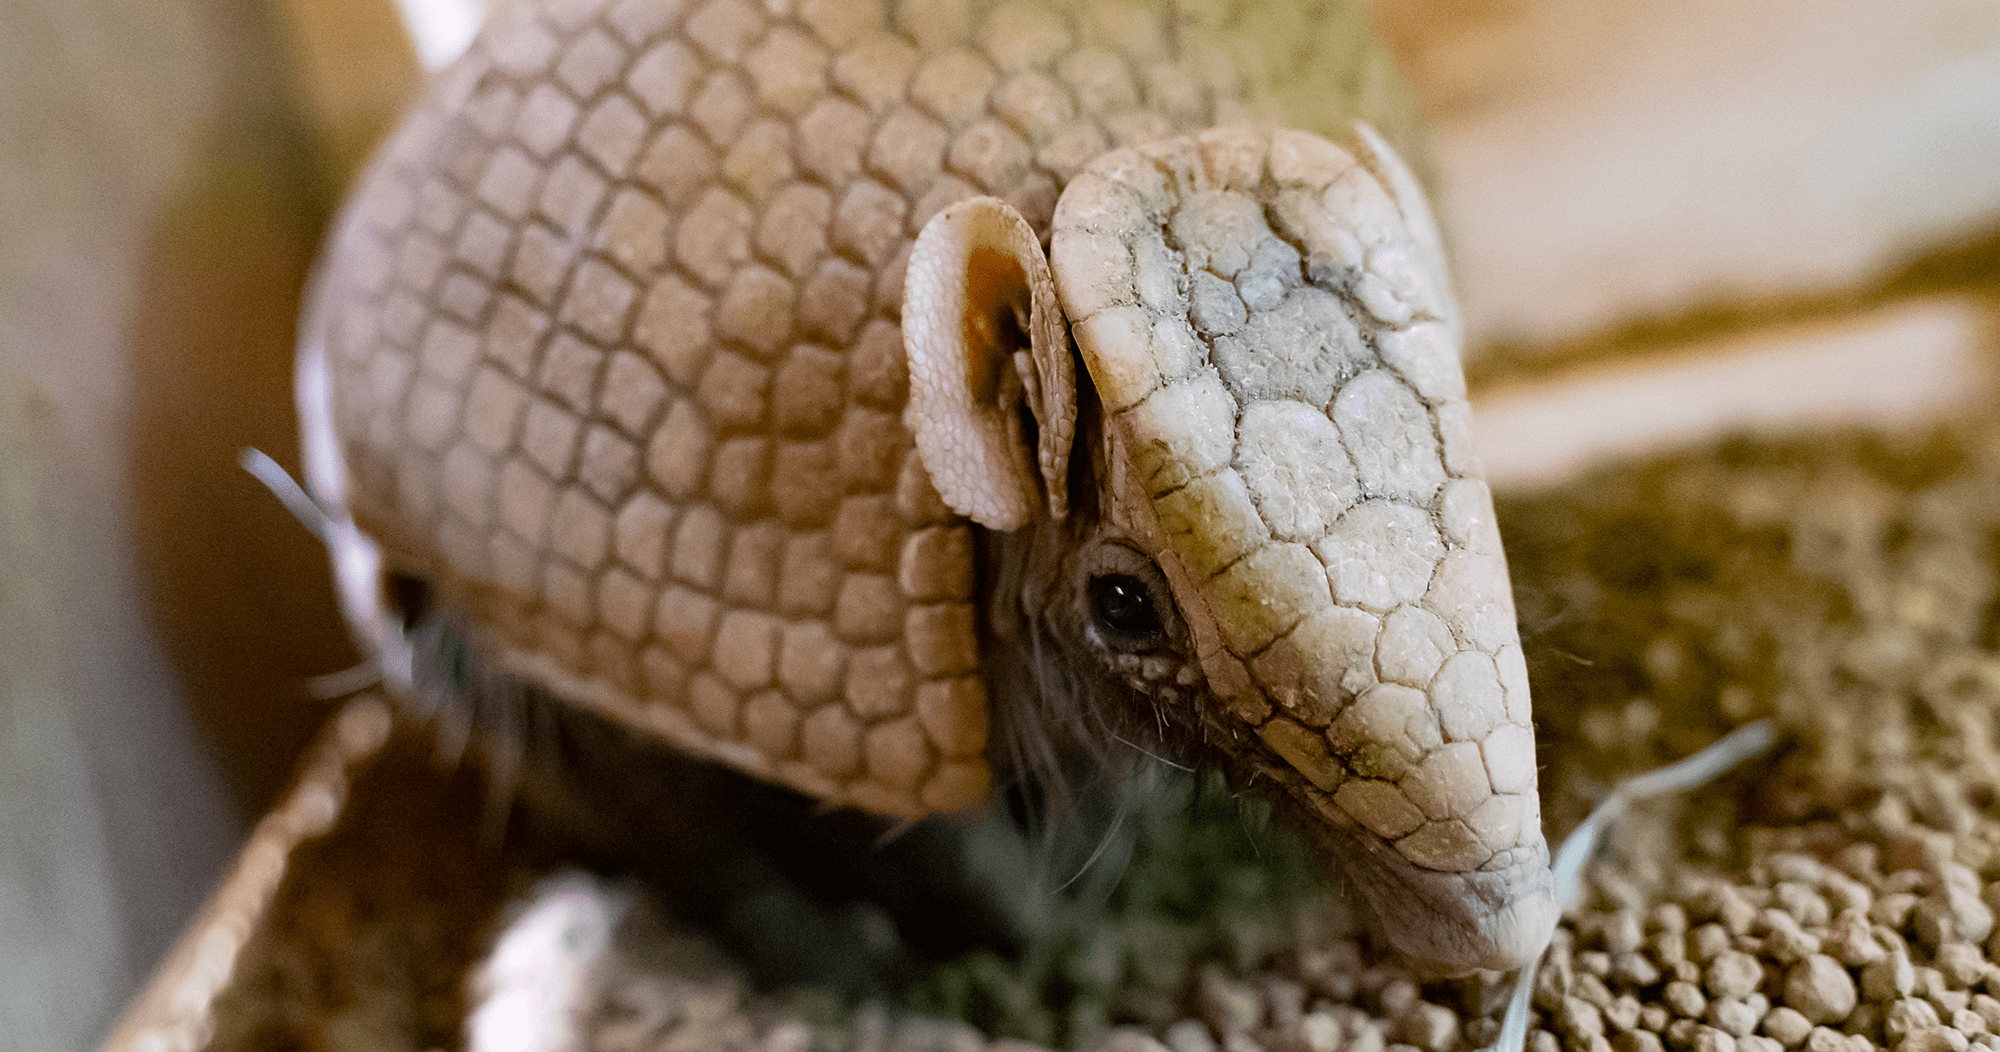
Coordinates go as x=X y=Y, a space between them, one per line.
x=1612 y=161
x=1676 y=218
x=165 y=169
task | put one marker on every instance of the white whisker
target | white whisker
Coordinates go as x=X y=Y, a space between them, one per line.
x=351 y=680
x=293 y=496
x=1705 y=766
x=1152 y=755
x=1103 y=843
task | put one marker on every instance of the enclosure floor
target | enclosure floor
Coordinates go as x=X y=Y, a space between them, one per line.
x=1839 y=892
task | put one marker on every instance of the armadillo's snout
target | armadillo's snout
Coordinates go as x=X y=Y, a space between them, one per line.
x=1454 y=923
x=1271 y=335
x=1426 y=797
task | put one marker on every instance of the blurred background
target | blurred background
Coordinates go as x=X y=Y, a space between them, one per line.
x=1669 y=219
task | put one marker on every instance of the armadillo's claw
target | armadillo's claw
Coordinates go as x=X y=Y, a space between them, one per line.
x=1453 y=923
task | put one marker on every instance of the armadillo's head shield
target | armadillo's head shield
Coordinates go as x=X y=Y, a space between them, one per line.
x=1264 y=322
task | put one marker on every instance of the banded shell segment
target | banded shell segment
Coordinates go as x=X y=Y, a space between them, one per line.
x=612 y=346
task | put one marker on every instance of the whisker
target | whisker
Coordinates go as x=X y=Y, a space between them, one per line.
x=1151 y=755
x=1103 y=843
x=890 y=834
x=505 y=721
x=310 y=513
x=354 y=679
x=1706 y=765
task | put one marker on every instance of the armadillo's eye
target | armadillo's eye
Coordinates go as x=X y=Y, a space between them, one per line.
x=1122 y=608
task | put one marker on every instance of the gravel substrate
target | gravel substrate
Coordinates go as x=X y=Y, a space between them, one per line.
x=1838 y=895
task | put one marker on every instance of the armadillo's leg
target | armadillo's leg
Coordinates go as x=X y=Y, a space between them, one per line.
x=795 y=891
x=534 y=991
x=1274 y=348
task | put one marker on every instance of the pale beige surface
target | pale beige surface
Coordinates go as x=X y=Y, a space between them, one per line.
x=1603 y=163
x=60 y=922
x=1899 y=367
x=157 y=613
x=111 y=822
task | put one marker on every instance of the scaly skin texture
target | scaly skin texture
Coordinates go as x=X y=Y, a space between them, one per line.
x=1277 y=355
x=607 y=353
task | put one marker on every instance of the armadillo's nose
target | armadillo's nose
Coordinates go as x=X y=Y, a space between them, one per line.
x=1452 y=923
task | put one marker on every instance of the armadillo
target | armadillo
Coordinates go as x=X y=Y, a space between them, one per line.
x=876 y=396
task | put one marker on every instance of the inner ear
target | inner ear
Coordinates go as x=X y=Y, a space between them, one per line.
x=992 y=385
x=997 y=307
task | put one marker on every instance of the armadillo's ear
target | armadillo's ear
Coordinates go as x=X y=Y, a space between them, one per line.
x=989 y=354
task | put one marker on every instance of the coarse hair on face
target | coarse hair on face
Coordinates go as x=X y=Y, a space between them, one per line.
x=1066 y=723
x=478 y=711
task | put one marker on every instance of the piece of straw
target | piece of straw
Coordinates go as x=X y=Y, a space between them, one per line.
x=1741 y=744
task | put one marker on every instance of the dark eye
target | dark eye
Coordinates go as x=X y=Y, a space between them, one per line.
x=1123 y=610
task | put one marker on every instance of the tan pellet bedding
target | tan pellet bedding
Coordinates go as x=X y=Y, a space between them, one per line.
x=1835 y=894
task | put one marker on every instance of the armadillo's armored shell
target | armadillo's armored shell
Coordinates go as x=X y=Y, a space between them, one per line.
x=1272 y=337
x=611 y=331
